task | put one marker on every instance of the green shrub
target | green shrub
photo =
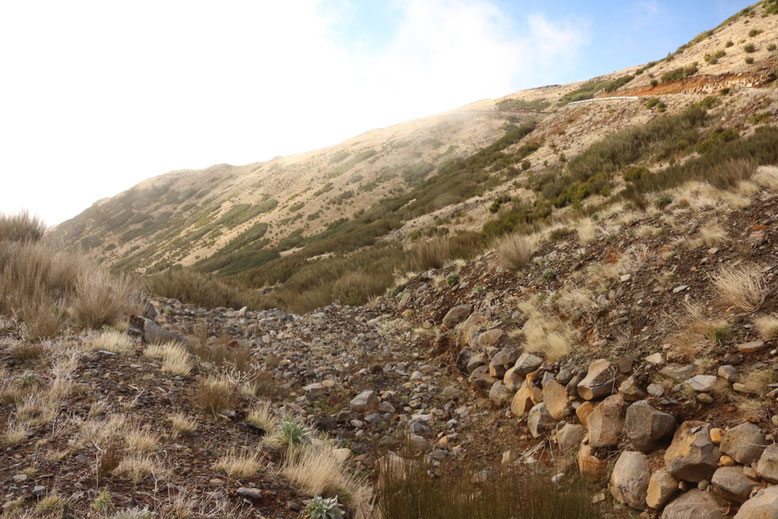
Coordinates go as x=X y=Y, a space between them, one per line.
x=771 y=47
x=535 y=105
x=452 y=279
x=753 y=32
x=679 y=73
x=749 y=60
x=321 y=508
x=750 y=47
x=590 y=88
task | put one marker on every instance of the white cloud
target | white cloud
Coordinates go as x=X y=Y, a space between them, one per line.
x=98 y=95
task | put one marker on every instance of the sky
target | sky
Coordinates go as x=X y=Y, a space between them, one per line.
x=98 y=95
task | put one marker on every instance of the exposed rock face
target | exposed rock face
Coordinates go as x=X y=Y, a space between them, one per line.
x=661 y=488
x=647 y=427
x=539 y=420
x=456 y=315
x=606 y=422
x=743 y=443
x=555 y=398
x=732 y=484
x=692 y=456
x=365 y=402
x=694 y=504
x=569 y=436
x=767 y=467
x=629 y=481
x=599 y=380
x=764 y=505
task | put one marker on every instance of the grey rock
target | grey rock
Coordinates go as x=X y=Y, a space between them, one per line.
x=677 y=371
x=729 y=373
x=629 y=480
x=480 y=378
x=155 y=334
x=647 y=427
x=599 y=381
x=606 y=422
x=692 y=456
x=661 y=488
x=499 y=394
x=365 y=402
x=694 y=504
x=475 y=362
x=703 y=383
x=631 y=390
x=456 y=315
x=569 y=437
x=767 y=466
x=732 y=484
x=743 y=443
x=764 y=505
x=527 y=363
x=253 y=494
x=539 y=420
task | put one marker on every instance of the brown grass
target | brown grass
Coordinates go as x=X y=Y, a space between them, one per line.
x=137 y=467
x=767 y=326
x=514 y=251
x=239 y=465
x=433 y=254
x=182 y=424
x=100 y=298
x=742 y=286
x=21 y=227
x=696 y=333
x=216 y=393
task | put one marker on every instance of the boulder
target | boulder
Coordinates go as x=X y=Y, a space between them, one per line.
x=606 y=422
x=475 y=362
x=767 y=466
x=463 y=358
x=661 y=488
x=599 y=381
x=526 y=397
x=366 y=402
x=629 y=480
x=155 y=334
x=555 y=398
x=539 y=419
x=764 y=505
x=569 y=436
x=732 y=484
x=743 y=443
x=631 y=390
x=512 y=379
x=456 y=315
x=647 y=427
x=527 y=363
x=589 y=465
x=692 y=456
x=499 y=394
x=491 y=338
x=583 y=412
x=694 y=504
x=481 y=379
x=502 y=361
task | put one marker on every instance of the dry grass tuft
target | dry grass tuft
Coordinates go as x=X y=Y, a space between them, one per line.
x=586 y=230
x=316 y=470
x=15 y=433
x=544 y=333
x=140 y=439
x=53 y=505
x=216 y=393
x=433 y=254
x=743 y=287
x=137 y=467
x=100 y=298
x=697 y=333
x=21 y=227
x=182 y=424
x=514 y=251
x=710 y=234
x=767 y=326
x=175 y=358
x=261 y=416
x=757 y=382
x=239 y=465
x=116 y=342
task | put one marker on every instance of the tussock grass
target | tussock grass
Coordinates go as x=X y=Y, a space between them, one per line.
x=216 y=393
x=117 y=342
x=696 y=333
x=262 y=416
x=15 y=433
x=137 y=467
x=586 y=230
x=514 y=251
x=545 y=334
x=757 y=382
x=432 y=254
x=710 y=234
x=101 y=298
x=140 y=439
x=182 y=424
x=239 y=465
x=742 y=286
x=21 y=227
x=316 y=470
x=767 y=326
x=199 y=289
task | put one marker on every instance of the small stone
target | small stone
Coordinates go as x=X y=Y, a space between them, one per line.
x=365 y=402
x=703 y=383
x=253 y=494
x=704 y=398
x=655 y=390
x=655 y=359
x=751 y=347
x=729 y=373
x=39 y=490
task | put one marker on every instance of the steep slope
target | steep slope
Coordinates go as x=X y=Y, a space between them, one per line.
x=489 y=168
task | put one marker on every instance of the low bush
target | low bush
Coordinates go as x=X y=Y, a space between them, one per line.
x=199 y=289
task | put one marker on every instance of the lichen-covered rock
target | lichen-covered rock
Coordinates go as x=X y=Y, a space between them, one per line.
x=692 y=456
x=629 y=480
